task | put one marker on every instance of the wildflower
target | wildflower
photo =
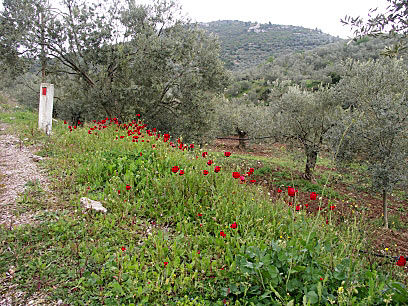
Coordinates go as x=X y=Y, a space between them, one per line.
x=297 y=207
x=236 y=175
x=251 y=170
x=321 y=278
x=291 y=191
x=332 y=207
x=401 y=261
x=65 y=122
x=234 y=225
x=191 y=146
x=279 y=190
x=128 y=187
x=181 y=172
x=340 y=290
x=205 y=172
x=204 y=154
x=227 y=154
x=200 y=215
x=217 y=169
x=175 y=169
x=327 y=221
x=210 y=162
x=313 y=196
x=242 y=178
x=123 y=249
x=222 y=234
x=118 y=191
x=198 y=252
x=253 y=181
x=166 y=263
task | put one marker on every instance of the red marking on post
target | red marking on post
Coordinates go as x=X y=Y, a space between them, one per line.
x=44 y=91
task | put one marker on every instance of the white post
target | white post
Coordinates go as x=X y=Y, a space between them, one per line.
x=45 y=108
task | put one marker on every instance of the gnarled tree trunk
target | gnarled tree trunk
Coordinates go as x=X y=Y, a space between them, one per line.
x=311 y=159
x=242 y=135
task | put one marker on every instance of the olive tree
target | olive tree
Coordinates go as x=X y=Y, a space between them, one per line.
x=303 y=119
x=243 y=118
x=393 y=23
x=121 y=58
x=374 y=131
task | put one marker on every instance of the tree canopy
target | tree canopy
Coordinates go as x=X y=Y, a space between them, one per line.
x=119 y=59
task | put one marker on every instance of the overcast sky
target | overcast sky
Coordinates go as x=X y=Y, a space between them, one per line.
x=322 y=14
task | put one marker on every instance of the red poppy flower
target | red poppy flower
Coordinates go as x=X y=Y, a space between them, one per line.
x=279 y=190
x=175 y=169
x=321 y=278
x=236 y=175
x=291 y=191
x=128 y=187
x=166 y=263
x=222 y=234
x=327 y=221
x=75 y=127
x=313 y=196
x=217 y=169
x=191 y=146
x=227 y=154
x=332 y=207
x=234 y=225
x=65 y=122
x=253 y=181
x=210 y=162
x=297 y=207
x=205 y=172
x=204 y=154
x=401 y=261
x=70 y=127
x=306 y=205
x=198 y=252
x=118 y=191
x=200 y=215
x=242 y=178
x=123 y=249
x=251 y=170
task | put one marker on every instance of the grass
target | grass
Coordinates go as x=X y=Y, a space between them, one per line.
x=168 y=239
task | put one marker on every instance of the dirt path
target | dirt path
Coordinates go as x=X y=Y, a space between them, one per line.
x=18 y=167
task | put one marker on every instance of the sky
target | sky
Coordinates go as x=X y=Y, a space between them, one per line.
x=322 y=14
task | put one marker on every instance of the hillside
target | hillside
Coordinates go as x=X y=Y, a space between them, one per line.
x=246 y=44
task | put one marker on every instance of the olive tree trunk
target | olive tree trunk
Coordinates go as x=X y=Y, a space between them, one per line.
x=385 y=209
x=242 y=135
x=311 y=159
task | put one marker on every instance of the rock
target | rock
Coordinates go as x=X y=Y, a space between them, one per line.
x=91 y=204
x=36 y=158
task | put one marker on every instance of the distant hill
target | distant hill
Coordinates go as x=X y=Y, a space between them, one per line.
x=247 y=44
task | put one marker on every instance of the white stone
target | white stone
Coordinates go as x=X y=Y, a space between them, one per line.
x=91 y=204
x=45 y=108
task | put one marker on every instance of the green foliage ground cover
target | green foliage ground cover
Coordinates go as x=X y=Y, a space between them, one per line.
x=170 y=238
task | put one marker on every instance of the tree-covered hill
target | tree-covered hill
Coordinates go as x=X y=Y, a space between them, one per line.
x=246 y=44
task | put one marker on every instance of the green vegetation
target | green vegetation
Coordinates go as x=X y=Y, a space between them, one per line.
x=247 y=44
x=174 y=239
